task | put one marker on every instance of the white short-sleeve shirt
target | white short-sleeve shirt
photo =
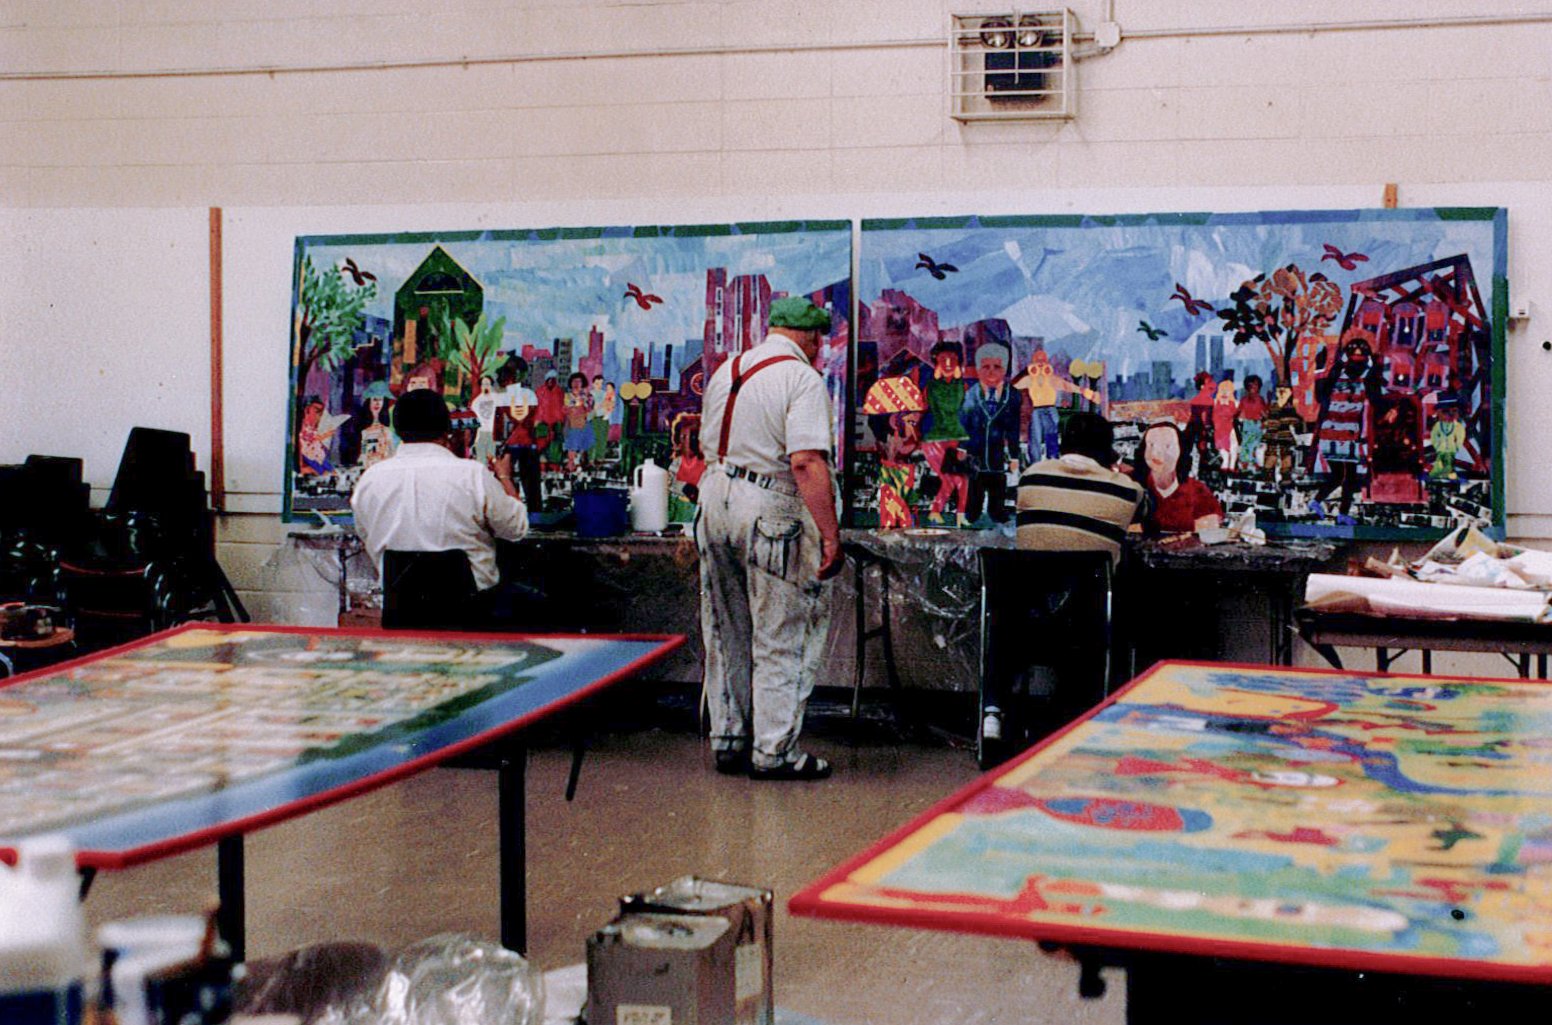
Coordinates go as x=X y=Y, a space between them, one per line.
x=780 y=410
x=425 y=499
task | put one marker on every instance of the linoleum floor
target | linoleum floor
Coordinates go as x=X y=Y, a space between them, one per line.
x=419 y=857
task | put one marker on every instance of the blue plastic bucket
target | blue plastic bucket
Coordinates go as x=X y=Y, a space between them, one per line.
x=602 y=512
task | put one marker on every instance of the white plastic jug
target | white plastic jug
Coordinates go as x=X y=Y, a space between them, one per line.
x=43 y=955
x=649 y=497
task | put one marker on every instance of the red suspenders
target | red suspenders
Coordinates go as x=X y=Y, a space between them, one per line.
x=737 y=383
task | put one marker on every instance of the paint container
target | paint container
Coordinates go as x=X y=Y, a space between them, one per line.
x=43 y=959
x=650 y=969
x=749 y=910
x=166 y=969
x=649 y=498
x=601 y=512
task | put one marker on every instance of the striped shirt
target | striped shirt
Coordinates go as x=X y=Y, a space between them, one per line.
x=1074 y=504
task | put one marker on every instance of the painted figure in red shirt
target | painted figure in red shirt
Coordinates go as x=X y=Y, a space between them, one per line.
x=1180 y=503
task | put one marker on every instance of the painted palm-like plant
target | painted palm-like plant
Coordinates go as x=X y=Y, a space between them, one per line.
x=476 y=351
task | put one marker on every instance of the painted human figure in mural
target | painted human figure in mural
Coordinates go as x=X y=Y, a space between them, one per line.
x=421 y=375
x=598 y=420
x=991 y=418
x=377 y=437
x=549 y=416
x=894 y=407
x=1179 y=502
x=578 y=406
x=1199 y=432
x=312 y=440
x=1251 y=411
x=945 y=397
x=1224 y=409
x=1448 y=437
x=484 y=409
x=1347 y=395
x=514 y=429
x=1042 y=383
x=1280 y=429
x=614 y=413
x=897 y=471
x=687 y=466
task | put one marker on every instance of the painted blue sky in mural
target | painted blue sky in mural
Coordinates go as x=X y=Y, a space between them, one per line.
x=1085 y=290
x=560 y=288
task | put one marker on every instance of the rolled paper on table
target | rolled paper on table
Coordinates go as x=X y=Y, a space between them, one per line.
x=1412 y=598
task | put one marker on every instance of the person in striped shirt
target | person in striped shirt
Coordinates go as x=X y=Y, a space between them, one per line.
x=1077 y=502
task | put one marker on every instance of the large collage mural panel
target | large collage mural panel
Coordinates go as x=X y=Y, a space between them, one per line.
x=582 y=351
x=1339 y=373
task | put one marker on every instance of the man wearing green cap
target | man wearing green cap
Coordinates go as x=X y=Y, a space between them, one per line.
x=768 y=538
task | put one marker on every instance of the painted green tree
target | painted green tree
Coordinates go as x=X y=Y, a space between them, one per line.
x=329 y=313
x=476 y=351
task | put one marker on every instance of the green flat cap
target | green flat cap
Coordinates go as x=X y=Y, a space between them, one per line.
x=799 y=314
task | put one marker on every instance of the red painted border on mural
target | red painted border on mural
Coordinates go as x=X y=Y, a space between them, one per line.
x=811 y=902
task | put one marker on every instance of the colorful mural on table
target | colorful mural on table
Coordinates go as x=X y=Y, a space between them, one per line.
x=199 y=727
x=582 y=351
x=1340 y=818
x=1337 y=372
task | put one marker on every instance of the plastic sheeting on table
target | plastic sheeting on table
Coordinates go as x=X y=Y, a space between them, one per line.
x=451 y=979
x=323 y=574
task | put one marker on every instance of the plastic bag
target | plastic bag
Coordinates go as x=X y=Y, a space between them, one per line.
x=450 y=979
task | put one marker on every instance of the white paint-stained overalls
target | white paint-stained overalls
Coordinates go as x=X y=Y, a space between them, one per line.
x=764 y=616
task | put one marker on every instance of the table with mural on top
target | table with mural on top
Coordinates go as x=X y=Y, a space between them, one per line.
x=201 y=734
x=1257 y=843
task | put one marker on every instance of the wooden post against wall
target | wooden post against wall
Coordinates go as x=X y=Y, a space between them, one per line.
x=1390 y=196
x=217 y=441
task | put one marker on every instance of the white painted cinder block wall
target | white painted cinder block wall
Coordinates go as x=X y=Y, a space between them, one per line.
x=121 y=124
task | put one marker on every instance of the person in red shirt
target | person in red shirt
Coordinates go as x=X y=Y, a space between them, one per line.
x=1179 y=503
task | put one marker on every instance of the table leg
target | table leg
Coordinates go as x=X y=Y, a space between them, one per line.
x=1541 y=667
x=860 y=626
x=1427 y=662
x=510 y=794
x=231 y=920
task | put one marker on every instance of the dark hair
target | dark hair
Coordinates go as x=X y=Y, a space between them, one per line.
x=1182 y=466
x=575 y=377
x=1252 y=377
x=421 y=415
x=943 y=347
x=1089 y=434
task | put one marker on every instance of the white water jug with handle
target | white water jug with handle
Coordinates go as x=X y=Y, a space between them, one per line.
x=649 y=497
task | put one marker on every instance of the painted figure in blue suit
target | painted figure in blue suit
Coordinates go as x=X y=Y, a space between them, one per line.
x=990 y=415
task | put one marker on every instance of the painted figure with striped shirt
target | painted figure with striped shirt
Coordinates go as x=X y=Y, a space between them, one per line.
x=1342 y=438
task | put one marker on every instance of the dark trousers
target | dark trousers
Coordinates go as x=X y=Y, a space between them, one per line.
x=989 y=490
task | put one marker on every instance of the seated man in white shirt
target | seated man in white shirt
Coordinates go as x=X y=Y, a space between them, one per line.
x=426 y=499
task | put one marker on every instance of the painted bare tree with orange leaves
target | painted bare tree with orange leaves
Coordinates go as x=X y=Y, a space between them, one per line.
x=1280 y=309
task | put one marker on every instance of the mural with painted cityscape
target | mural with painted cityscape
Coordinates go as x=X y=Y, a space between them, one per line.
x=582 y=351
x=1339 y=373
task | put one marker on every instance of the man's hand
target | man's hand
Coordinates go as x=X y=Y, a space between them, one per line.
x=811 y=471
x=831 y=558
x=501 y=466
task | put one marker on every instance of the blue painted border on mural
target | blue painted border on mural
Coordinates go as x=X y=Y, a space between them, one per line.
x=1498 y=216
x=535 y=235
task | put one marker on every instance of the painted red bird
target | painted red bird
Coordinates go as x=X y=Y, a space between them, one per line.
x=644 y=300
x=1346 y=261
x=359 y=276
x=1193 y=306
